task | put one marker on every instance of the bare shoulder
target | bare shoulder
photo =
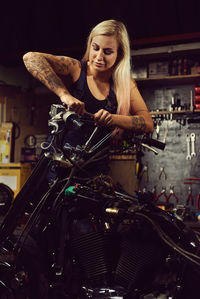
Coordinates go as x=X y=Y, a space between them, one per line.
x=137 y=103
x=133 y=83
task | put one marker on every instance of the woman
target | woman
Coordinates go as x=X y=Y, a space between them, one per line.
x=100 y=84
x=106 y=89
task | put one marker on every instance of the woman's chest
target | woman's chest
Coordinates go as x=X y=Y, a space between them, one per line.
x=99 y=90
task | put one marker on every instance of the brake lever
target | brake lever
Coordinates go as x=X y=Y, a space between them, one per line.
x=98 y=144
x=150 y=148
x=88 y=142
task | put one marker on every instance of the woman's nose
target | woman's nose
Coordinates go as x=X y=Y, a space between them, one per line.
x=100 y=55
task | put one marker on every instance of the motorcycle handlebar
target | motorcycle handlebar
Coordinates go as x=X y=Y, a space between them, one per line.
x=72 y=119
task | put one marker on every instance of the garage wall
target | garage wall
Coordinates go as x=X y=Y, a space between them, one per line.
x=173 y=158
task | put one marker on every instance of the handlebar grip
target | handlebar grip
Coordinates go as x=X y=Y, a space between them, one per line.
x=154 y=143
x=72 y=120
x=69 y=109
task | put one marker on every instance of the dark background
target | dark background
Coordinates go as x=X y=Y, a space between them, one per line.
x=62 y=27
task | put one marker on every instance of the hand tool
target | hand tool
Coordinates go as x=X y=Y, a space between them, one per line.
x=162 y=172
x=155 y=198
x=198 y=201
x=157 y=128
x=191 y=101
x=188 y=157
x=171 y=193
x=192 y=137
x=165 y=134
x=190 y=197
x=162 y=193
x=145 y=171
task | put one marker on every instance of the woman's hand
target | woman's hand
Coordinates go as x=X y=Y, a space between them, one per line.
x=73 y=104
x=103 y=117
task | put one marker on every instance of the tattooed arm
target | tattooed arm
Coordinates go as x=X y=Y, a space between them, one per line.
x=141 y=119
x=137 y=123
x=48 y=69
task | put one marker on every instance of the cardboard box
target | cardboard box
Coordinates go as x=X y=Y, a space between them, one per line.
x=122 y=171
x=6 y=144
x=14 y=175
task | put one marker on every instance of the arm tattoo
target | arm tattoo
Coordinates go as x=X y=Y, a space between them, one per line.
x=63 y=64
x=138 y=123
x=45 y=70
x=44 y=75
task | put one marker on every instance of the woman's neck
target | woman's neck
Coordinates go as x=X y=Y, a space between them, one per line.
x=98 y=76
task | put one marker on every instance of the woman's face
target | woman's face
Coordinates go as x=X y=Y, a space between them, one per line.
x=103 y=52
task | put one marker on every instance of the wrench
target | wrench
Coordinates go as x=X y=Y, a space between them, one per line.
x=192 y=136
x=157 y=128
x=188 y=157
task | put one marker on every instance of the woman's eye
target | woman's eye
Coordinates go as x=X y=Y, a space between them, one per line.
x=95 y=48
x=108 y=52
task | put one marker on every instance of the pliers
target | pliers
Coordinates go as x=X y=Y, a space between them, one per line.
x=162 y=171
x=190 y=197
x=155 y=197
x=171 y=193
x=144 y=171
x=198 y=201
x=162 y=193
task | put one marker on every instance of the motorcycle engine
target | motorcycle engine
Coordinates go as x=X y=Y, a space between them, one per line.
x=114 y=262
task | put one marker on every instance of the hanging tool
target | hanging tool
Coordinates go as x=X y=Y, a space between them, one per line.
x=155 y=198
x=192 y=137
x=188 y=157
x=162 y=193
x=191 y=101
x=144 y=171
x=157 y=128
x=198 y=201
x=172 y=194
x=165 y=134
x=162 y=173
x=190 y=197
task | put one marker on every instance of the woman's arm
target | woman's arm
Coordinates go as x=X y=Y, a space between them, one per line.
x=140 y=119
x=48 y=69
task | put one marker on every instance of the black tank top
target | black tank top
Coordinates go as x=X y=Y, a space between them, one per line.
x=80 y=90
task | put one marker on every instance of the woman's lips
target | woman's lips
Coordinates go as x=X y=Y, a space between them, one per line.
x=98 y=64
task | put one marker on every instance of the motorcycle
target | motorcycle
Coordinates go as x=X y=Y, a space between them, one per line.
x=80 y=236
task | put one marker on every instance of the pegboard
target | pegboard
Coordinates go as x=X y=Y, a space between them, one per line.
x=173 y=157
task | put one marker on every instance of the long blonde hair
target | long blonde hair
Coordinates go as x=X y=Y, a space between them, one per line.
x=122 y=70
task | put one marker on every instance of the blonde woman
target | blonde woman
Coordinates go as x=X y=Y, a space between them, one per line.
x=100 y=83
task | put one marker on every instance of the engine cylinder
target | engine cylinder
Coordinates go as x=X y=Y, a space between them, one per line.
x=97 y=255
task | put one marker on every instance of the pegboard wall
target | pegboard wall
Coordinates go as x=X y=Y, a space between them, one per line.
x=173 y=158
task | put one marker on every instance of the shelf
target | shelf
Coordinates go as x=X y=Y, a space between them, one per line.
x=170 y=80
x=166 y=49
x=189 y=112
x=184 y=114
